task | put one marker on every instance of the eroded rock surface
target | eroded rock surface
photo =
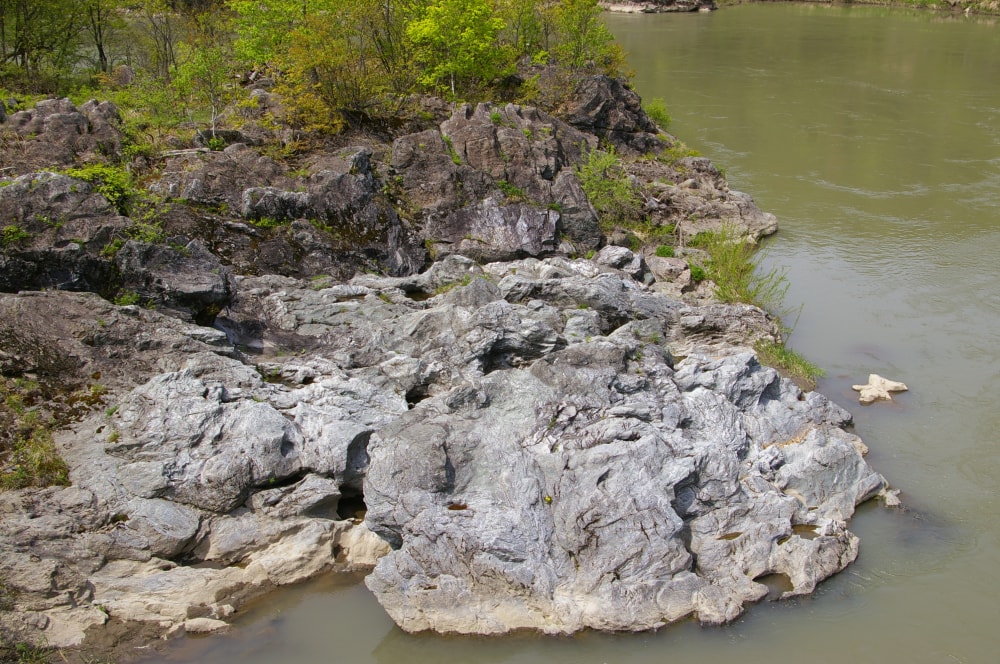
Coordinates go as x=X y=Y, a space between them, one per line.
x=402 y=326
x=604 y=488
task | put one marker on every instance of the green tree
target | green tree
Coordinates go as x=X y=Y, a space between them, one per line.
x=101 y=20
x=457 y=41
x=39 y=37
x=583 y=39
x=162 y=29
x=203 y=78
x=528 y=25
x=265 y=29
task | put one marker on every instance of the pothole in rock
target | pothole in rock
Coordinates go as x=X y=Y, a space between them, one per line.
x=352 y=506
x=777 y=585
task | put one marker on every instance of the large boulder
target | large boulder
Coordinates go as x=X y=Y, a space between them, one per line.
x=606 y=107
x=603 y=488
x=509 y=154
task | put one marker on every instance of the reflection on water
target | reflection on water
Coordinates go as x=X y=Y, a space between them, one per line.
x=874 y=136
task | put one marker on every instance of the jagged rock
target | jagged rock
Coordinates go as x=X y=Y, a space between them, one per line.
x=190 y=279
x=55 y=134
x=62 y=225
x=515 y=153
x=607 y=108
x=218 y=178
x=622 y=259
x=490 y=232
x=584 y=493
x=703 y=202
x=332 y=221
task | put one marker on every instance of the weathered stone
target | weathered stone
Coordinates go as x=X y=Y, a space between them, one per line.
x=590 y=468
x=190 y=279
x=55 y=133
x=607 y=108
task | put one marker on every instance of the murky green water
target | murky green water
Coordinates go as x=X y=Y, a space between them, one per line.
x=874 y=136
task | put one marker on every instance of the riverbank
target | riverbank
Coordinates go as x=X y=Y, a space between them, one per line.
x=984 y=7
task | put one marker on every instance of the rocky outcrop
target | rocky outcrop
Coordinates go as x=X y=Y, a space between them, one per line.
x=195 y=458
x=495 y=172
x=606 y=487
x=57 y=134
x=658 y=6
x=607 y=108
x=391 y=352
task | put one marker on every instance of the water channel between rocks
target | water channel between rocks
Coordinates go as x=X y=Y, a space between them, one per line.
x=874 y=136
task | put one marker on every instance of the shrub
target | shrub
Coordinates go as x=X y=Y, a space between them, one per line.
x=657 y=112
x=665 y=251
x=610 y=189
x=512 y=192
x=127 y=298
x=113 y=182
x=698 y=273
x=13 y=234
x=734 y=267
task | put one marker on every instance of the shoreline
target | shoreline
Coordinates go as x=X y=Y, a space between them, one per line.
x=967 y=7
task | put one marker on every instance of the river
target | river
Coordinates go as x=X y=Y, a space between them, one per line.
x=874 y=136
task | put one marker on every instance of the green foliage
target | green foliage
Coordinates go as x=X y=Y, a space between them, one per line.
x=27 y=451
x=583 y=39
x=204 y=78
x=455 y=158
x=29 y=654
x=676 y=152
x=789 y=363
x=266 y=29
x=113 y=182
x=267 y=223
x=698 y=273
x=512 y=192
x=734 y=267
x=13 y=234
x=665 y=251
x=610 y=190
x=656 y=109
x=445 y=287
x=344 y=55
x=455 y=44
x=126 y=299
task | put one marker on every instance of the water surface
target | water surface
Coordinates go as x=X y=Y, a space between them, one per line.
x=874 y=136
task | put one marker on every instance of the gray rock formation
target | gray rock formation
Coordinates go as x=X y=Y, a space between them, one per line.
x=604 y=488
x=55 y=134
x=540 y=441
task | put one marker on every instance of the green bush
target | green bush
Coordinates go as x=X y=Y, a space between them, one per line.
x=113 y=182
x=665 y=251
x=698 y=273
x=657 y=112
x=13 y=234
x=512 y=192
x=610 y=189
x=734 y=267
x=789 y=363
